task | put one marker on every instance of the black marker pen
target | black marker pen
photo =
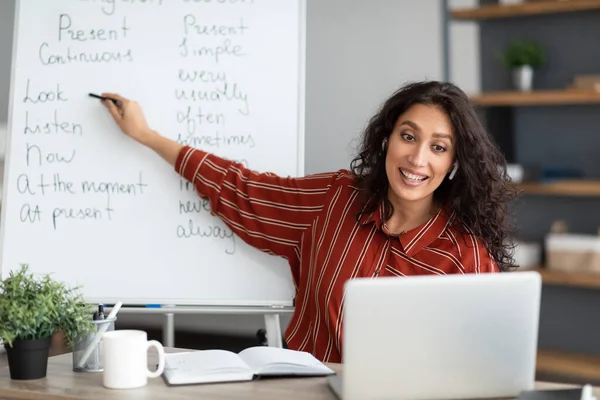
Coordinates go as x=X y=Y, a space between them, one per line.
x=100 y=311
x=97 y=96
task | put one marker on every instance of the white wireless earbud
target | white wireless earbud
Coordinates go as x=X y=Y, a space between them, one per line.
x=453 y=170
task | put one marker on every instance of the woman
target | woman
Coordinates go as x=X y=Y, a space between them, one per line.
x=427 y=194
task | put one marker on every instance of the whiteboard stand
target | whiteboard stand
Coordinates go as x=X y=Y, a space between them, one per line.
x=271 y=315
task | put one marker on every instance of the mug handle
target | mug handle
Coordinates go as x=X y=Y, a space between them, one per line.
x=161 y=358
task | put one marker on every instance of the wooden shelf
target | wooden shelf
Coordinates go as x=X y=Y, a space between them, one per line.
x=524 y=9
x=568 y=366
x=572 y=279
x=537 y=98
x=573 y=188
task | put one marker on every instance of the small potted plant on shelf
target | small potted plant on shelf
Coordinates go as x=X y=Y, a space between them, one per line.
x=522 y=58
x=32 y=309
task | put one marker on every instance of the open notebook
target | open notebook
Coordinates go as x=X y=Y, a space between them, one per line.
x=210 y=366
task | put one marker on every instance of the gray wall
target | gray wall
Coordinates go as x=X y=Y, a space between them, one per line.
x=7 y=12
x=358 y=52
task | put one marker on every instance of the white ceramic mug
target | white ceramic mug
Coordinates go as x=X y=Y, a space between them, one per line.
x=126 y=359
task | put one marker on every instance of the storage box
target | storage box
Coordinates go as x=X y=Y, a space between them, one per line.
x=569 y=252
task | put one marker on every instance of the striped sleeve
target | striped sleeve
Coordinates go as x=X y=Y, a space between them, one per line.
x=266 y=211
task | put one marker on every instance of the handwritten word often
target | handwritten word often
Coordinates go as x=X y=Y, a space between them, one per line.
x=83 y=35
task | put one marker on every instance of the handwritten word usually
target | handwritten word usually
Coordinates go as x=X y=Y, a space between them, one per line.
x=226 y=92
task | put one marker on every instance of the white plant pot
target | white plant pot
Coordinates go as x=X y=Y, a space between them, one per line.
x=523 y=78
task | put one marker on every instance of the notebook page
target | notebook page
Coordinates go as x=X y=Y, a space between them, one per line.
x=274 y=360
x=205 y=366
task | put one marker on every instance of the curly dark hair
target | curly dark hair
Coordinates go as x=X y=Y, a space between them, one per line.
x=481 y=190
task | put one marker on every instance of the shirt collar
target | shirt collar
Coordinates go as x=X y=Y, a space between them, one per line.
x=418 y=238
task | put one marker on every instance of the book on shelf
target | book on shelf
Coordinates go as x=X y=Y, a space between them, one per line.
x=213 y=366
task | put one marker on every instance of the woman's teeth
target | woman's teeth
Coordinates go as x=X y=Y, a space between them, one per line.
x=413 y=177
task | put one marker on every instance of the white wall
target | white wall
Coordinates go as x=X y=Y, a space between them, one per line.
x=358 y=53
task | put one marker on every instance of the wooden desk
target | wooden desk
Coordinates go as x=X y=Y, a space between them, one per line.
x=62 y=383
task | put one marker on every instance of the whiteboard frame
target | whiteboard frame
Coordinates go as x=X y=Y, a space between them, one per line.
x=209 y=306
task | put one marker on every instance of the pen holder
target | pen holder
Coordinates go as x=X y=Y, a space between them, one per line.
x=94 y=362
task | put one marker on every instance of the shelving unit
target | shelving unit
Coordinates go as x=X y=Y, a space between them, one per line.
x=575 y=188
x=580 y=368
x=537 y=98
x=525 y=9
x=571 y=279
x=498 y=106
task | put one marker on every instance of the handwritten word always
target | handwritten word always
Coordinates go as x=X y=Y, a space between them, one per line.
x=207 y=231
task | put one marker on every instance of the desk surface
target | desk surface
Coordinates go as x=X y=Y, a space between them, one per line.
x=62 y=383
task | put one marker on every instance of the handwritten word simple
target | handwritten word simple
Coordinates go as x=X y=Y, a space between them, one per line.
x=44 y=96
x=56 y=126
x=216 y=52
x=191 y=25
x=217 y=140
x=226 y=92
x=48 y=57
x=207 y=231
x=65 y=22
x=109 y=7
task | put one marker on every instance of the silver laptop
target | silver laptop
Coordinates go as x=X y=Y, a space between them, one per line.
x=439 y=337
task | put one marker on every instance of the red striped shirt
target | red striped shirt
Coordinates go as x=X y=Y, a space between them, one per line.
x=311 y=221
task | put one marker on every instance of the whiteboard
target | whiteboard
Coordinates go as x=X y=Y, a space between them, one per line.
x=87 y=204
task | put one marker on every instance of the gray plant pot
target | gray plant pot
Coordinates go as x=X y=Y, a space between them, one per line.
x=522 y=78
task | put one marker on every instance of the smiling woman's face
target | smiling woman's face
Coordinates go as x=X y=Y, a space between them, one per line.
x=420 y=154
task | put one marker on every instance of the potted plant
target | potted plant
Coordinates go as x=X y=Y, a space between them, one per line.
x=522 y=58
x=32 y=309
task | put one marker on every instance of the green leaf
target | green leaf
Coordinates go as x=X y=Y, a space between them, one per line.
x=35 y=307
